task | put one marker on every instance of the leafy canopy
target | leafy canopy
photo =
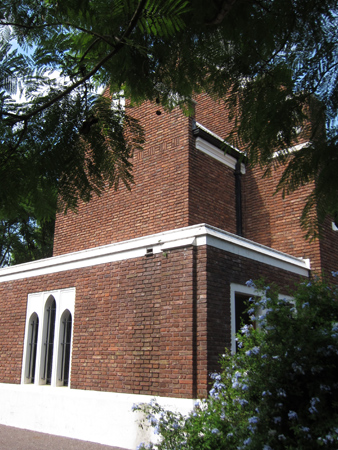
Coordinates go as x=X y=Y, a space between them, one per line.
x=273 y=60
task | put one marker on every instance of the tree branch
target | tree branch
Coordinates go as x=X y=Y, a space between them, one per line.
x=88 y=49
x=45 y=25
x=29 y=27
x=323 y=75
x=93 y=33
x=120 y=44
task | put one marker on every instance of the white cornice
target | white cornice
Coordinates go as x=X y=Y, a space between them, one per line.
x=217 y=154
x=196 y=235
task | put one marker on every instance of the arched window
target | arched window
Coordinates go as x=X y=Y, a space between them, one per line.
x=31 y=348
x=64 y=348
x=48 y=340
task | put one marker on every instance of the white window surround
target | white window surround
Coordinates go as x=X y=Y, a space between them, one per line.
x=216 y=136
x=216 y=153
x=65 y=300
x=334 y=227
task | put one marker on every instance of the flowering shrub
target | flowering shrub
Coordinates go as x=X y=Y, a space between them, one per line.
x=280 y=390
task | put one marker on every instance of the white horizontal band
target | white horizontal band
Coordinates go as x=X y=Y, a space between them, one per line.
x=201 y=234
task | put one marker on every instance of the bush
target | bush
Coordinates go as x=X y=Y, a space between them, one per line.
x=280 y=390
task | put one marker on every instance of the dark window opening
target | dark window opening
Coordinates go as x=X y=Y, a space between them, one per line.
x=49 y=342
x=241 y=315
x=32 y=347
x=65 y=342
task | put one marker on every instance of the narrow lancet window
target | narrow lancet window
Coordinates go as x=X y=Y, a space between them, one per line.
x=32 y=347
x=65 y=347
x=49 y=340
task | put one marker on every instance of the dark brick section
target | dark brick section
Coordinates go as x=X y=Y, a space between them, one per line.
x=153 y=325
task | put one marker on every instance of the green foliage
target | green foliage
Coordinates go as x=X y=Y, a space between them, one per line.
x=268 y=59
x=22 y=239
x=279 y=391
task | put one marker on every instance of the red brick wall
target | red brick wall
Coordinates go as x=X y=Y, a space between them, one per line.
x=213 y=115
x=13 y=302
x=153 y=325
x=267 y=218
x=273 y=221
x=133 y=325
x=211 y=192
x=175 y=186
x=157 y=201
x=139 y=332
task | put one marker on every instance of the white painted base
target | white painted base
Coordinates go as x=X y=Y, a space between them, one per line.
x=102 y=417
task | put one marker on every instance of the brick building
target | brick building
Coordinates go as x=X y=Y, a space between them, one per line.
x=144 y=288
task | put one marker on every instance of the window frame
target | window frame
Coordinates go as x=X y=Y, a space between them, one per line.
x=37 y=303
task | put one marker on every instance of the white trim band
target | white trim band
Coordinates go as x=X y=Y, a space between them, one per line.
x=198 y=235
